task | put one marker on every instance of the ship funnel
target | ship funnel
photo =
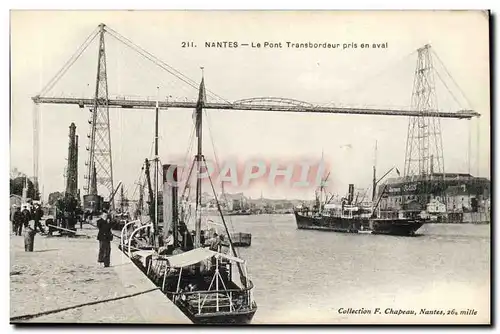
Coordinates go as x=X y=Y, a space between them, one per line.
x=351 y=193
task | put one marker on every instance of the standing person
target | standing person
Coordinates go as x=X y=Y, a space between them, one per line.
x=223 y=245
x=38 y=214
x=104 y=236
x=12 y=211
x=214 y=243
x=17 y=220
x=26 y=219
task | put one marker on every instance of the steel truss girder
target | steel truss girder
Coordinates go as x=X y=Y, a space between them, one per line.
x=147 y=104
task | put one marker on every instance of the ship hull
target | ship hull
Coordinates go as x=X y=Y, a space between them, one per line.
x=241 y=239
x=230 y=318
x=400 y=227
x=326 y=223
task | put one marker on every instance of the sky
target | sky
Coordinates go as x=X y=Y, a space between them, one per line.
x=42 y=41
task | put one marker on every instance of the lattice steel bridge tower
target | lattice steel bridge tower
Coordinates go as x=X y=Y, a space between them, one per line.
x=424 y=146
x=99 y=149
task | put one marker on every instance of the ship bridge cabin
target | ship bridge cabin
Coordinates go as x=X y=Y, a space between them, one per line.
x=346 y=211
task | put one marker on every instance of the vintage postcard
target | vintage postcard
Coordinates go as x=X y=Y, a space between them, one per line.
x=255 y=167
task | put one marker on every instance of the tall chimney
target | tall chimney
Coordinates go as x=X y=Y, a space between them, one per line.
x=170 y=201
x=71 y=170
x=93 y=183
x=76 y=165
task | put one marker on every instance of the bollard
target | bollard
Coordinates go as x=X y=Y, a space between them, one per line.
x=29 y=239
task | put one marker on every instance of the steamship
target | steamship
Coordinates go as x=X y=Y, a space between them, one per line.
x=350 y=217
x=345 y=217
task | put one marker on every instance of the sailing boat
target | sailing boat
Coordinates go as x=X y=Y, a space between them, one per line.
x=197 y=279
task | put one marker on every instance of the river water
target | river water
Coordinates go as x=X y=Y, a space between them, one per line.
x=303 y=276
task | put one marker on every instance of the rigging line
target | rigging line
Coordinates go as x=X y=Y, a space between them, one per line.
x=160 y=171
x=452 y=79
x=374 y=76
x=36 y=315
x=187 y=172
x=152 y=148
x=469 y=145
x=224 y=197
x=141 y=172
x=70 y=62
x=186 y=187
x=160 y=63
x=220 y=211
x=477 y=145
x=190 y=146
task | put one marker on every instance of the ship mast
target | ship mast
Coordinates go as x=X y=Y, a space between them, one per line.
x=374 y=185
x=199 y=159
x=155 y=223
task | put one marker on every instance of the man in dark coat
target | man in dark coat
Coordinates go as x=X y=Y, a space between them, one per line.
x=26 y=219
x=104 y=236
x=38 y=214
x=17 y=219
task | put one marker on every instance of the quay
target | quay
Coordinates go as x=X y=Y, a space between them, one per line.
x=61 y=281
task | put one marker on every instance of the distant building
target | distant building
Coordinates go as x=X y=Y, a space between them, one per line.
x=457 y=192
x=15 y=199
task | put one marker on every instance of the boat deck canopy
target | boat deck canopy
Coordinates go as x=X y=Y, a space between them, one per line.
x=197 y=255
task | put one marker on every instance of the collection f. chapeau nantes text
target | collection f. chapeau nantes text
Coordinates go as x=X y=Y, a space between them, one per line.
x=395 y=311
x=286 y=45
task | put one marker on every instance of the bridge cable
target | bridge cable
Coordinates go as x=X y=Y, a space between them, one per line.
x=158 y=61
x=70 y=62
x=453 y=79
x=447 y=88
x=150 y=57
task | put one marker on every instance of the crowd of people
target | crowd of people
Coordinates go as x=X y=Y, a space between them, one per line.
x=21 y=217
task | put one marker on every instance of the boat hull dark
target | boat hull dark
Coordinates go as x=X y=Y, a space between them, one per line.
x=400 y=227
x=241 y=239
x=326 y=223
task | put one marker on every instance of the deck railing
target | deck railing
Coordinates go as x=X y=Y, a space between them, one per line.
x=237 y=299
